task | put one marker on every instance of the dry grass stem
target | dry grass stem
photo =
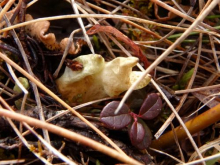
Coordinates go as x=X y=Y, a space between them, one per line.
x=70 y=135
x=65 y=53
x=164 y=153
x=82 y=27
x=193 y=125
x=16 y=161
x=64 y=112
x=176 y=43
x=27 y=64
x=169 y=50
x=180 y=121
x=40 y=85
x=197 y=89
x=6 y=8
x=184 y=97
x=123 y=18
x=49 y=147
x=24 y=141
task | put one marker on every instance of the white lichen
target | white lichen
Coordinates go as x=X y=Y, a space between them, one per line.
x=99 y=79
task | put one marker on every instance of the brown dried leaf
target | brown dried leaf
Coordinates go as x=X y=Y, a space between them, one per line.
x=121 y=37
x=203 y=97
x=39 y=31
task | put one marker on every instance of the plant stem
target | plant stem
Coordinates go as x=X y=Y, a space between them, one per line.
x=70 y=135
x=194 y=125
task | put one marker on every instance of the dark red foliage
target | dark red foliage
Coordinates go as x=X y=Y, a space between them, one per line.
x=147 y=138
x=139 y=133
x=136 y=133
x=115 y=121
x=151 y=107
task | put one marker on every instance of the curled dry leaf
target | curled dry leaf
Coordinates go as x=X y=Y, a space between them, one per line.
x=121 y=37
x=205 y=97
x=39 y=30
x=99 y=79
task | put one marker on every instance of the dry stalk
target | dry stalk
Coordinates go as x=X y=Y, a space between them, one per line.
x=19 y=133
x=183 y=15
x=197 y=89
x=6 y=8
x=184 y=97
x=102 y=37
x=70 y=135
x=169 y=50
x=49 y=147
x=65 y=53
x=60 y=114
x=40 y=85
x=120 y=17
x=164 y=153
x=27 y=64
x=23 y=100
x=162 y=57
x=194 y=125
x=82 y=27
x=16 y=161
x=214 y=53
x=184 y=128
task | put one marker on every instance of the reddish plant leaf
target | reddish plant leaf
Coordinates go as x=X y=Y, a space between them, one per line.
x=121 y=37
x=118 y=121
x=151 y=107
x=136 y=133
x=147 y=137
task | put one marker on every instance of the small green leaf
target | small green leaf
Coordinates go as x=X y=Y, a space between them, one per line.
x=24 y=82
x=97 y=162
x=184 y=80
x=96 y=42
x=213 y=161
x=17 y=89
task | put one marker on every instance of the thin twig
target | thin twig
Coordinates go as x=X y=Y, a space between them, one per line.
x=27 y=64
x=168 y=51
x=65 y=53
x=6 y=8
x=120 y=17
x=40 y=85
x=20 y=135
x=197 y=89
x=214 y=53
x=82 y=27
x=70 y=135
x=180 y=121
x=164 y=153
x=49 y=147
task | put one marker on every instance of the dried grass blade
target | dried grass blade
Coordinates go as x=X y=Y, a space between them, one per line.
x=40 y=85
x=70 y=135
x=82 y=27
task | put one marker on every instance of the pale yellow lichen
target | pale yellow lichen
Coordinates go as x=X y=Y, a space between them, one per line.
x=99 y=79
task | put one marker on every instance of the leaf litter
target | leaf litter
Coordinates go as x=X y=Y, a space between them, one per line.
x=135 y=124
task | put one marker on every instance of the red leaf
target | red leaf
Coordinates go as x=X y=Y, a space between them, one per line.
x=147 y=138
x=140 y=136
x=121 y=37
x=136 y=133
x=118 y=121
x=151 y=107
